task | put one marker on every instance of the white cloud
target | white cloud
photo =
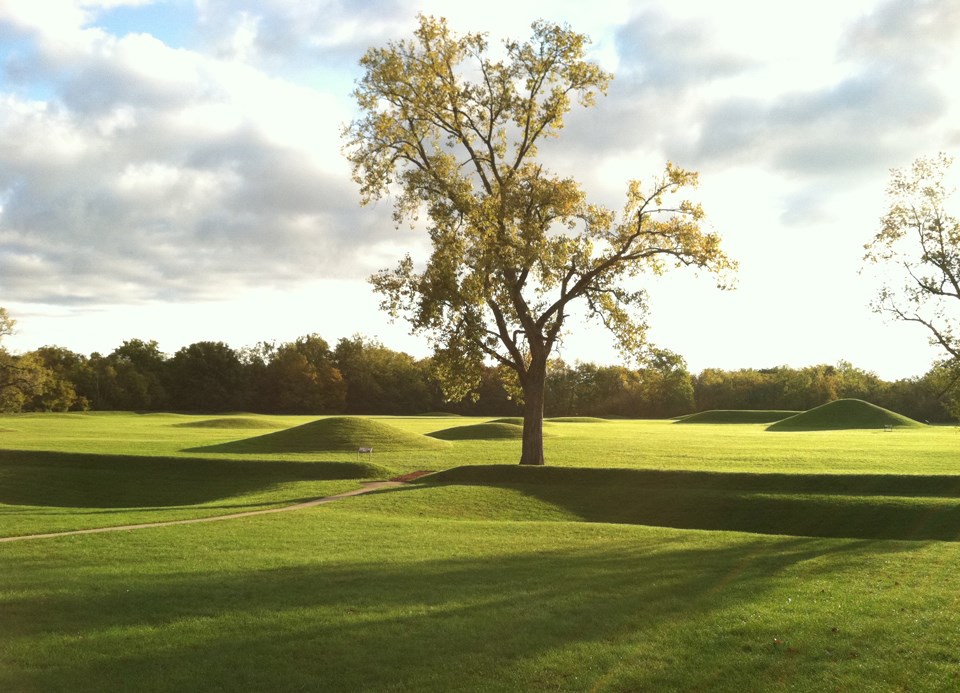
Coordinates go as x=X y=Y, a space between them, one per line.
x=135 y=170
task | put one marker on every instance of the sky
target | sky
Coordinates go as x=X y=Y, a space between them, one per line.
x=171 y=170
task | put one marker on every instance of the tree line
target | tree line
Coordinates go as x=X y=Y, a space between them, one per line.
x=361 y=376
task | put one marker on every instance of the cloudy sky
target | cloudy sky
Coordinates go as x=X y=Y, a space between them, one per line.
x=171 y=170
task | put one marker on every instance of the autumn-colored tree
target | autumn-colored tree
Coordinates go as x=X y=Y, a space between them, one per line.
x=32 y=381
x=453 y=131
x=300 y=378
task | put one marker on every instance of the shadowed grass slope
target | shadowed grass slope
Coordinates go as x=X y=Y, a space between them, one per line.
x=78 y=480
x=855 y=506
x=844 y=414
x=228 y=422
x=738 y=416
x=334 y=434
x=340 y=602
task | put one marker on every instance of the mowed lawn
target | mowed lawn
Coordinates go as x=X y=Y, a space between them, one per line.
x=648 y=556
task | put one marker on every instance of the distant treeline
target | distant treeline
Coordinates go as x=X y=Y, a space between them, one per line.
x=358 y=375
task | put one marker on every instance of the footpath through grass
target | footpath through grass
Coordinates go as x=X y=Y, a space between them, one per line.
x=341 y=599
x=76 y=471
x=487 y=577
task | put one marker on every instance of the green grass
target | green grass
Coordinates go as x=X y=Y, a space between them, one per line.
x=616 y=443
x=861 y=506
x=338 y=599
x=54 y=491
x=237 y=422
x=576 y=419
x=737 y=416
x=334 y=434
x=646 y=556
x=485 y=431
x=844 y=414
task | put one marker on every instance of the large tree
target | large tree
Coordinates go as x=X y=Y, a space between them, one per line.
x=452 y=129
x=918 y=245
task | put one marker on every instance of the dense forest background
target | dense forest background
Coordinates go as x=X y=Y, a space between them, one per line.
x=361 y=376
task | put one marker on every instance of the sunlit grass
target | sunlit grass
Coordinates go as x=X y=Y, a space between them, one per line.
x=631 y=444
x=336 y=599
x=646 y=556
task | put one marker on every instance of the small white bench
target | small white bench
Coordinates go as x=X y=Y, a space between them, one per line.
x=364 y=451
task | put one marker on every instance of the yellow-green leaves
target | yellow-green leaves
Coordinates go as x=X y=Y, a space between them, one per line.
x=452 y=134
x=6 y=323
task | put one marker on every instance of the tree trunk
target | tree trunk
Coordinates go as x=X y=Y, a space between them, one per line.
x=533 y=396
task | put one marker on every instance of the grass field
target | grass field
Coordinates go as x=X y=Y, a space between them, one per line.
x=646 y=556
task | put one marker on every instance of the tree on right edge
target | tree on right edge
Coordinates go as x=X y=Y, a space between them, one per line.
x=919 y=244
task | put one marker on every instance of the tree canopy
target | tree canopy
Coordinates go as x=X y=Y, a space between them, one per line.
x=451 y=129
x=6 y=323
x=361 y=376
x=919 y=245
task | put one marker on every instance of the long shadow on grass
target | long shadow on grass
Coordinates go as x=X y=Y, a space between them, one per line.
x=853 y=506
x=508 y=616
x=79 y=480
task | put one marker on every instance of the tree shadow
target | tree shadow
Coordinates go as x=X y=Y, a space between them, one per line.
x=396 y=622
x=77 y=480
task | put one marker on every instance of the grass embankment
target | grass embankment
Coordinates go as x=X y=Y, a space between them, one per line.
x=492 y=430
x=333 y=434
x=55 y=491
x=486 y=577
x=576 y=419
x=233 y=422
x=738 y=416
x=614 y=443
x=339 y=599
x=845 y=414
x=854 y=506
x=95 y=470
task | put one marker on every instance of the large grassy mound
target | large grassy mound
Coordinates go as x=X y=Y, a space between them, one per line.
x=334 y=434
x=738 y=416
x=492 y=430
x=844 y=414
x=230 y=422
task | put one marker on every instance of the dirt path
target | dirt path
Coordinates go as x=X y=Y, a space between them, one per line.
x=366 y=488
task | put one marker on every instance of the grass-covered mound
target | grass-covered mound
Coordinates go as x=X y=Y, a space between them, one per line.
x=738 y=416
x=844 y=414
x=334 y=434
x=237 y=422
x=512 y=420
x=492 y=430
x=77 y=480
x=577 y=419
